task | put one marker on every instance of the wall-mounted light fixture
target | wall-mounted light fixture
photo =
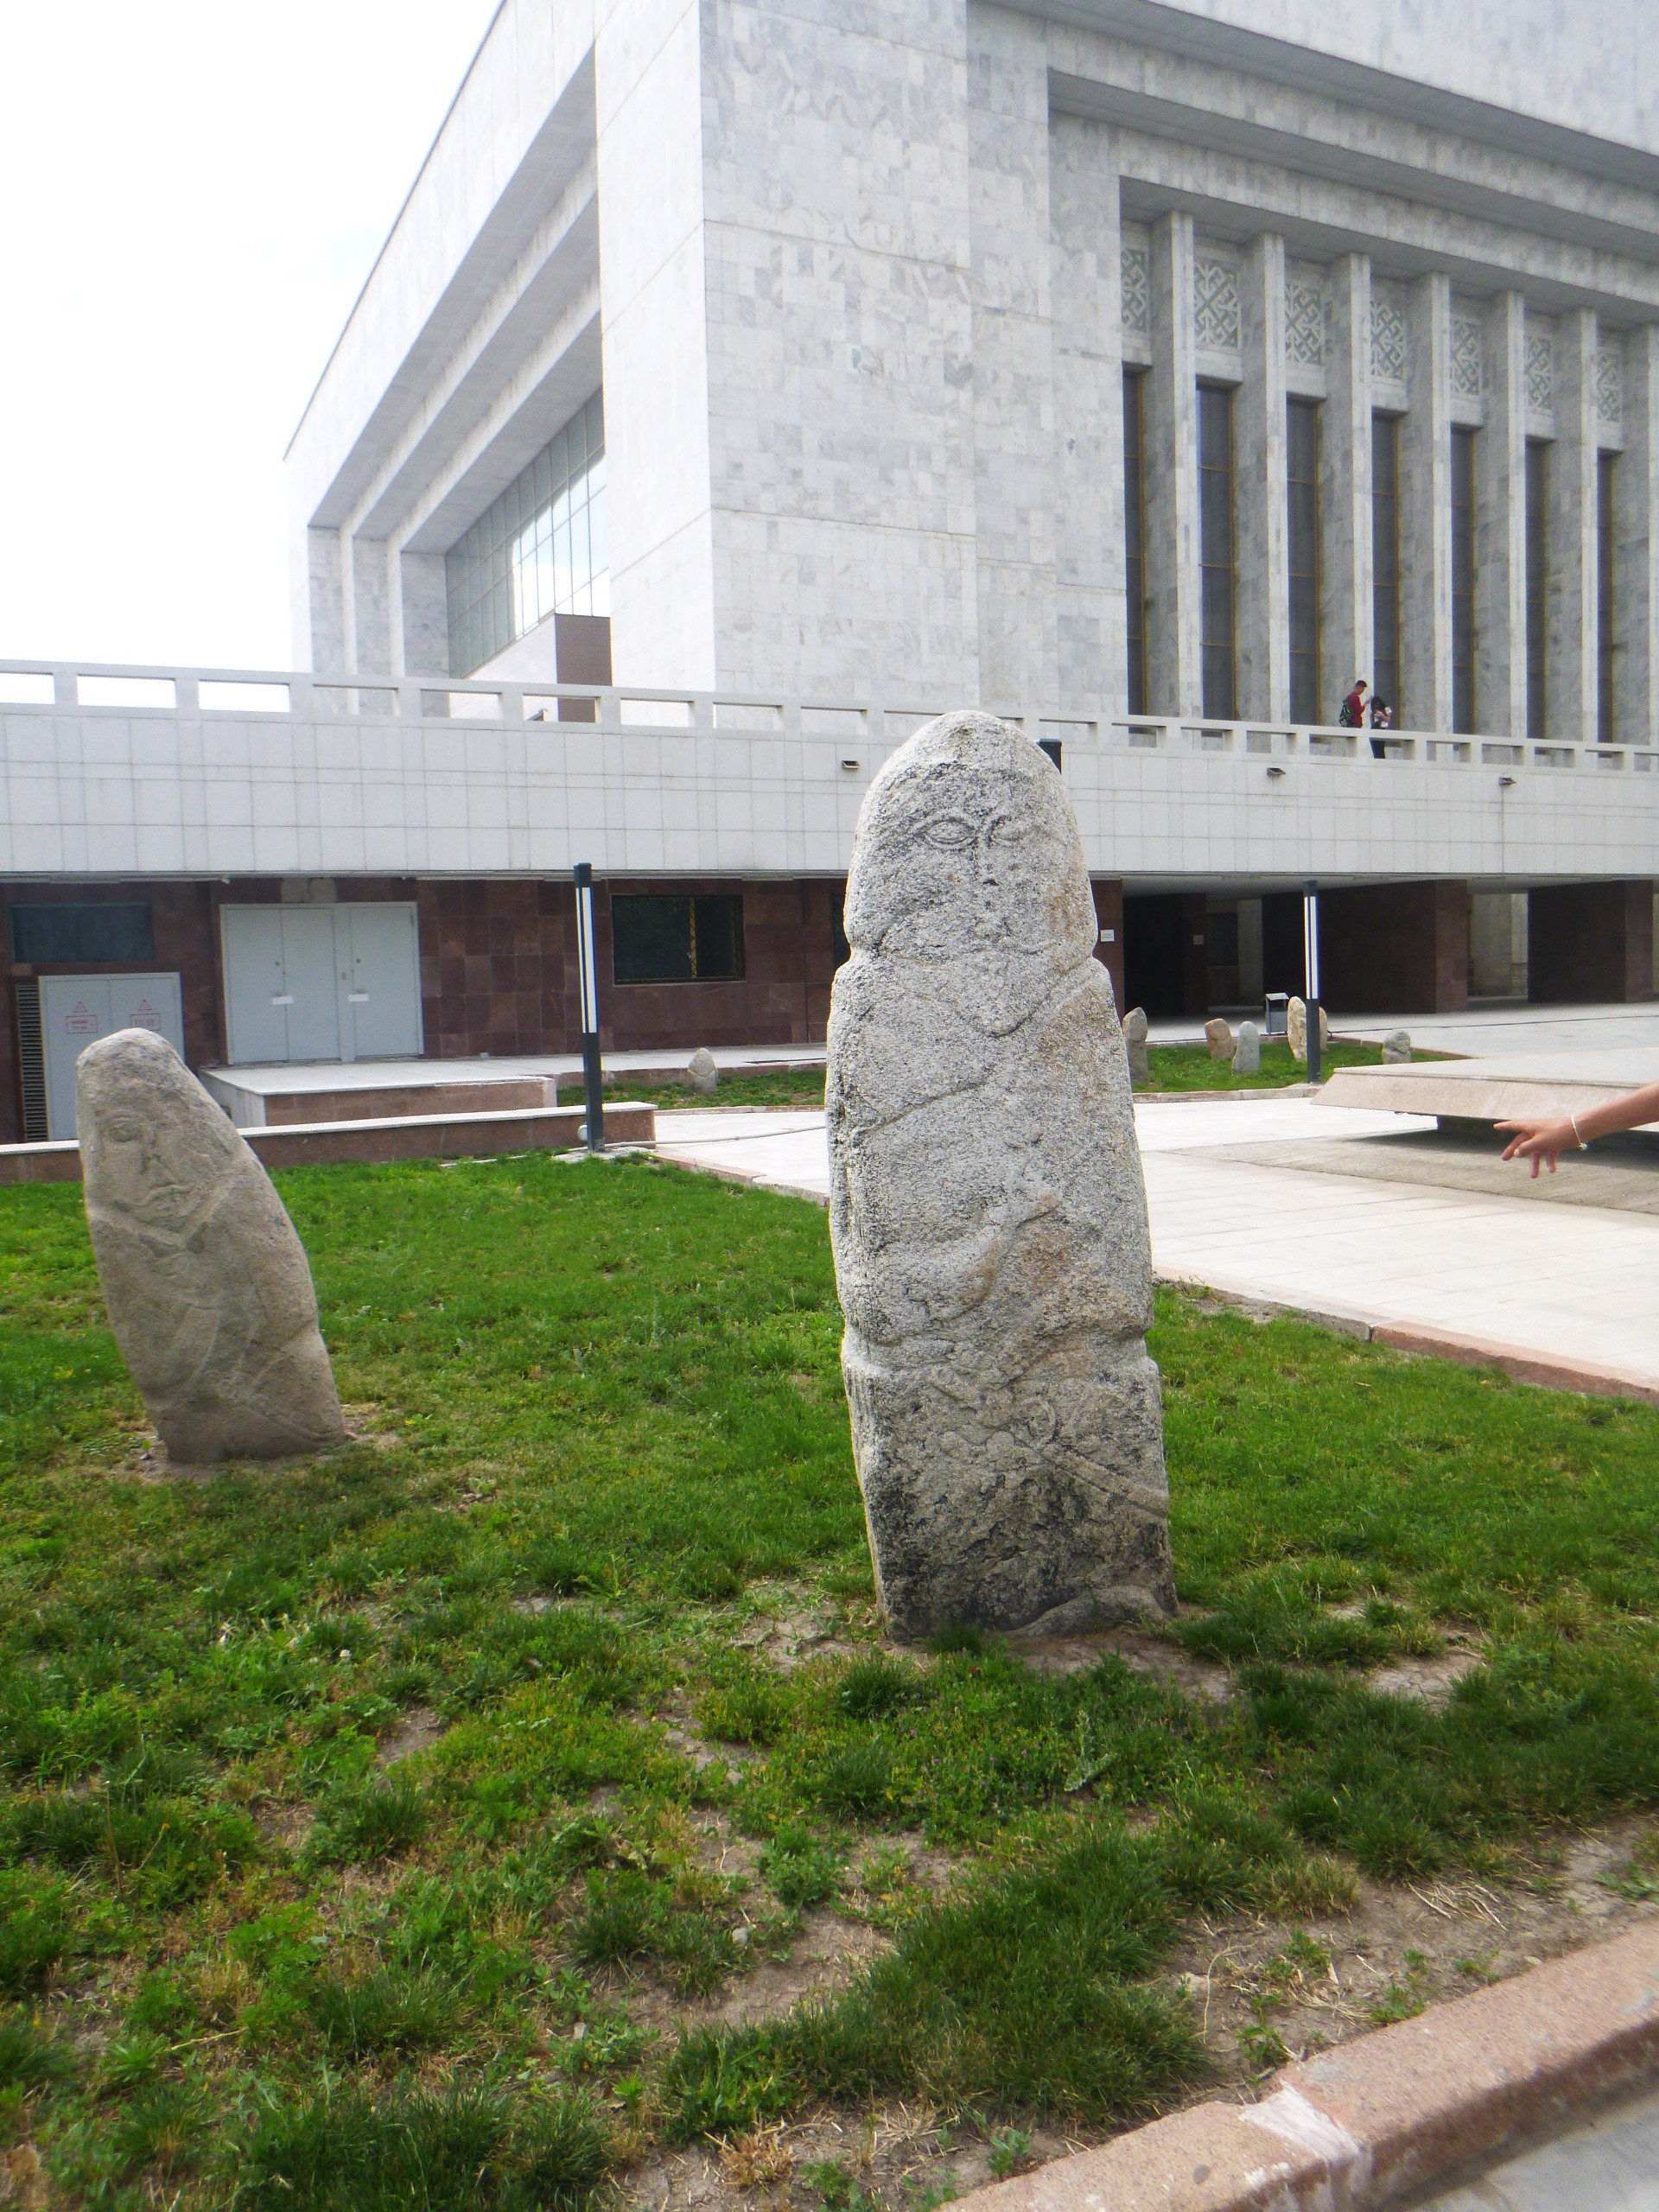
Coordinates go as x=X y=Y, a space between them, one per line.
x=1275 y=773
x=850 y=766
x=1506 y=782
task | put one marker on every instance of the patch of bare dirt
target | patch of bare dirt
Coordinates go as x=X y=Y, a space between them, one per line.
x=1139 y=1648
x=417 y=1729
x=1432 y=1678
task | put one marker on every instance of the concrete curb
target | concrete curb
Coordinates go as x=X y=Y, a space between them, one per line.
x=1390 y=2113
x=1516 y=1360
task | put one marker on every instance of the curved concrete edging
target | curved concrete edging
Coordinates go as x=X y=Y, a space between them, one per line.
x=1387 y=2113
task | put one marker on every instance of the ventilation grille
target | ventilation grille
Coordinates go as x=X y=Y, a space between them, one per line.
x=31 y=1060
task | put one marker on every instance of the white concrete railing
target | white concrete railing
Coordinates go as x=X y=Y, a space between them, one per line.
x=257 y=694
x=119 y=772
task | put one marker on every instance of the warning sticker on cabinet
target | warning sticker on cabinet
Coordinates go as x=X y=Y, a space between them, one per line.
x=144 y=1016
x=78 y=1023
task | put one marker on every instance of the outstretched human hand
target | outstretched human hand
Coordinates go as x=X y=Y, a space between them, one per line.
x=1548 y=1141
x=1538 y=1142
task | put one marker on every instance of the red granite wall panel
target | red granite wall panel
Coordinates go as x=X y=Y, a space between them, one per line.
x=1590 y=944
x=1395 y=948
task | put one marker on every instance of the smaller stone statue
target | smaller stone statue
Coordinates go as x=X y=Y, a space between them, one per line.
x=1218 y=1036
x=1135 y=1040
x=1296 y=1029
x=702 y=1073
x=1396 y=1048
x=1247 y=1054
x=207 y=1283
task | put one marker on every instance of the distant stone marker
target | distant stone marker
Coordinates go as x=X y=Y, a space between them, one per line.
x=1247 y=1054
x=1296 y=1029
x=703 y=1073
x=1218 y=1036
x=207 y=1283
x=1396 y=1048
x=1134 y=1041
x=987 y=1208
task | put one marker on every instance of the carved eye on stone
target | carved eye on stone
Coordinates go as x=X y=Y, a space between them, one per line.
x=951 y=832
x=1012 y=829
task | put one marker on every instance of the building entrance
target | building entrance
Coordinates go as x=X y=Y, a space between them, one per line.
x=321 y=983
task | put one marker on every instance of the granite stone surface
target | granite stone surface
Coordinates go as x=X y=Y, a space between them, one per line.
x=207 y=1283
x=986 y=1208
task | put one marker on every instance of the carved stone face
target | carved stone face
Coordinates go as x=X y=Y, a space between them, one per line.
x=968 y=862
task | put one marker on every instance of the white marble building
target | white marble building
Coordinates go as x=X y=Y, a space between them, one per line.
x=864 y=290
x=739 y=384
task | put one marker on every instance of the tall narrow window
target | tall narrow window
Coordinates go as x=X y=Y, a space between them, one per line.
x=1463 y=580
x=1135 y=519
x=1216 y=549
x=1385 y=564
x=1537 y=584
x=1303 y=467
x=1606 y=555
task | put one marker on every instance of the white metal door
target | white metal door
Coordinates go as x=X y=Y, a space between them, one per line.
x=77 y=1010
x=309 y=983
x=338 y=982
x=382 y=974
x=256 y=1005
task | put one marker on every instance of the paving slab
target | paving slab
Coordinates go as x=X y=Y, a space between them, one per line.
x=1538 y=1086
x=1250 y=1197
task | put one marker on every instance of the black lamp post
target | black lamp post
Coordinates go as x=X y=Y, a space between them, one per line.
x=593 y=1073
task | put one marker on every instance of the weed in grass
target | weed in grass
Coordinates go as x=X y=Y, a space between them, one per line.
x=802 y=1870
x=836 y=2190
x=388 y=2010
x=366 y=1820
x=856 y=1780
x=468 y=2149
x=28 y=2056
x=1639 y=1878
x=1009 y=2148
x=131 y=2061
x=750 y=1710
x=630 y=1915
x=873 y=1687
x=33 y=1937
x=718 y=2083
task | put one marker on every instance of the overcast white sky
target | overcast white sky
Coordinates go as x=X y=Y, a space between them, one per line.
x=190 y=195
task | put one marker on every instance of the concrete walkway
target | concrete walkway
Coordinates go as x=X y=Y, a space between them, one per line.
x=1610 y=2164
x=1401 y=1242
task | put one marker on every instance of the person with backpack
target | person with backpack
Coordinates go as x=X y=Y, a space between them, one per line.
x=1352 y=715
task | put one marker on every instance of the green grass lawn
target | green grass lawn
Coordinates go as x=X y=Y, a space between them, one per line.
x=1174 y=1067
x=604 y=1443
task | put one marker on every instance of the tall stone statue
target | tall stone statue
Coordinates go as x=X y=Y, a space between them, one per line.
x=986 y=1208
x=207 y=1283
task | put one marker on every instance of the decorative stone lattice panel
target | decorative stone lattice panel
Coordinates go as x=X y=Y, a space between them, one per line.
x=1610 y=385
x=1390 y=345
x=1540 y=371
x=1305 y=326
x=1215 y=302
x=1137 y=290
x=1467 y=357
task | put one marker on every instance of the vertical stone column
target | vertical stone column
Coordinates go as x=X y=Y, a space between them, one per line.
x=1635 y=576
x=1174 y=657
x=1501 y=526
x=1261 y=489
x=1013 y=384
x=1345 y=613
x=1086 y=285
x=421 y=615
x=1425 y=511
x=1572 y=649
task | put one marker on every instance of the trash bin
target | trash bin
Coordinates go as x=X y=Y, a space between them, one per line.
x=1277 y=1018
